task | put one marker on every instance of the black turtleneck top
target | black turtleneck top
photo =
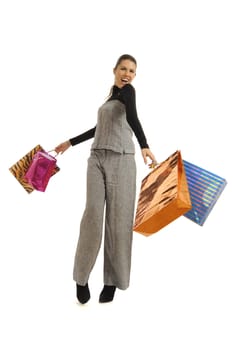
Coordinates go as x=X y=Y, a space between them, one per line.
x=127 y=96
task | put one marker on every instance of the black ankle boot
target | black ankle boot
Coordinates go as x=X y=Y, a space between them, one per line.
x=107 y=294
x=83 y=293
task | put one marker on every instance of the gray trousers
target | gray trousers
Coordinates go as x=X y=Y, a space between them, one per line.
x=111 y=188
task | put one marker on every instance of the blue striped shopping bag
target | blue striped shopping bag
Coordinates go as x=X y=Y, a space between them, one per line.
x=204 y=189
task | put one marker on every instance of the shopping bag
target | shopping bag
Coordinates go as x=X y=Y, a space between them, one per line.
x=163 y=197
x=20 y=168
x=40 y=170
x=205 y=188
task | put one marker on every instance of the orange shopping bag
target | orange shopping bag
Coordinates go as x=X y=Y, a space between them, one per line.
x=164 y=196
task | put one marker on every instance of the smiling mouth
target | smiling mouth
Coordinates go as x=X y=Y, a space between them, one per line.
x=125 y=81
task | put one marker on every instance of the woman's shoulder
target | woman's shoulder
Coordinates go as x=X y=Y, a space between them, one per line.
x=128 y=90
x=128 y=87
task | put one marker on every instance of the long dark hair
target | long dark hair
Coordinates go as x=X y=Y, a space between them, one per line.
x=120 y=59
x=125 y=57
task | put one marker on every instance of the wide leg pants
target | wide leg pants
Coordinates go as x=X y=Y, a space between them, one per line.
x=111 y=188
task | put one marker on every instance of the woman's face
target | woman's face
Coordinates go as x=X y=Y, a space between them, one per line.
x=124 y=73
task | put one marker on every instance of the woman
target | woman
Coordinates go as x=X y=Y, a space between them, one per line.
x=111 y=186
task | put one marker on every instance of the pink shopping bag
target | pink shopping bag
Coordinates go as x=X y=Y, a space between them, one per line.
x=40 y=170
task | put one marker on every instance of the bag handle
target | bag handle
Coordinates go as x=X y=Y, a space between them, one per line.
x=53 y=150
x=154 y=165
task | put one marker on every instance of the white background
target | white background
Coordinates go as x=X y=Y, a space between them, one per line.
x=56 y=69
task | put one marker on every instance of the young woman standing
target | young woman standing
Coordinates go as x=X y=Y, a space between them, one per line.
x=111 y=186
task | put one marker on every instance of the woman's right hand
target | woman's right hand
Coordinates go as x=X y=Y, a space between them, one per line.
x=62 y=147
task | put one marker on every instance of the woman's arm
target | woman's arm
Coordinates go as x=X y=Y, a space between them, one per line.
x=62 y=147
x=129 y=99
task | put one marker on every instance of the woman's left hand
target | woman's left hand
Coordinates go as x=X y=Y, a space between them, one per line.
x=146 y=152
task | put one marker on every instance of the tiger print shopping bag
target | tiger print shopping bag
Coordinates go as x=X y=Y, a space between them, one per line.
x=164 y=196
x=20 y=168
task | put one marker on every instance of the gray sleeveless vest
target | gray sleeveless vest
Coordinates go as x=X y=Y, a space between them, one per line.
x=113 y=131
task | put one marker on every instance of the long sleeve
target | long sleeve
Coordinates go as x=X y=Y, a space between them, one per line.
x=127 y=96
x=83 y=137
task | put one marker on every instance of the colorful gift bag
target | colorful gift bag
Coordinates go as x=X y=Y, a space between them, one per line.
x=20 y=168
x=40 y=170
x=164 y=196
x=205 y=189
